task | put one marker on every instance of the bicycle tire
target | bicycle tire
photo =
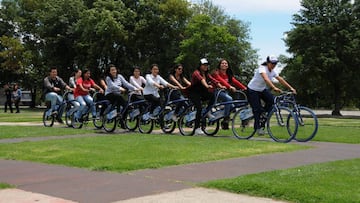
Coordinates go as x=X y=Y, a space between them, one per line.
x=168 y=125
x=243 y=128
x=282 y=124
x=109 y=125
x=48 y=120
x=210 y=128
x=186 y=122
x=131 y=122
x=308 y=124
x=145 y=125
x=76 y=123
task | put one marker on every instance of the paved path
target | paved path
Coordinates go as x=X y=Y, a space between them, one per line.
x=81 y=185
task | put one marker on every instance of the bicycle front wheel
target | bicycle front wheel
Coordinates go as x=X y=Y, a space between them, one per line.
x=242 y=126
x=48 y=118
x=210 y=127
x=109 y=124
x=186 y=122
x=146 y=124
x=308 y=124
x=132 y=119
x=168 y=125
x=282 y=124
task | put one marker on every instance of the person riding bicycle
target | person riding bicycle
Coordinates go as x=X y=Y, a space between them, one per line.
x=115 y=87
x=83 y=87
x=202 y=89
x=154 y=83
x=258 y=89
x=53 y=85
x=226 y=77
x=177 y=78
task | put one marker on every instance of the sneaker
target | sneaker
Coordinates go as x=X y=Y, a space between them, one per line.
x=225 y=125
x=174 y=118
x=52 y=113
x=59 y=120
x=260 y=131
x=198 y=131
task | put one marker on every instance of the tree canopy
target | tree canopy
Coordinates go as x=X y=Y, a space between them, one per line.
x=325 y=47
x=71 y=34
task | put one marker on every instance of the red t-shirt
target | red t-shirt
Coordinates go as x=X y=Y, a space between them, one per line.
x=87 y=84
x=224 y=80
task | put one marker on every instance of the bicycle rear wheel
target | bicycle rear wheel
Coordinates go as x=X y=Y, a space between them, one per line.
x=48 y=118
x=132 y=119
x=308 y=124
x=109 y=124
x=168 y=125
x=210 y=128
x=282 y=124
x=146 y=124
x=186 y=122
x=76 y=123
x=243 y=126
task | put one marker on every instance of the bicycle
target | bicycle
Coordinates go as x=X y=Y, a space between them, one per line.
x=129 y=115
x=66 y=105
x=163 y=117
x=280 y=123
x=209 y=125
x=84 y=118
x=306 y=118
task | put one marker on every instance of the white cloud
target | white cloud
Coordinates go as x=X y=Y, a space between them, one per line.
x=256 y=6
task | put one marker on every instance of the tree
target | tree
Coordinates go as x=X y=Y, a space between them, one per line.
x=212 y=34
x=325 y=51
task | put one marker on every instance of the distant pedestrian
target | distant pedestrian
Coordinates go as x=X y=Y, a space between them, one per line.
x=8 y=98
x=16 y=97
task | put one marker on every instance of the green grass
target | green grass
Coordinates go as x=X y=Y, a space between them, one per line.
x=25 y=115
x=131 y=152
x=327 y=182
x=41 y=131
x=4 y=186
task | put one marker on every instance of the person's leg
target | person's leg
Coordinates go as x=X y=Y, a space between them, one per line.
x=225 y=97
x=52 y=97
x=81 y=109
x=268 y=98
x=195 y=98
x=17 y=101
x=254 y=101
x=90 y=103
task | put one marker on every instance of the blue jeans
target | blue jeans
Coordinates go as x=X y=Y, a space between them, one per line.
x=55 y=99
x=254 y=98
x=225 y=97
x=85 y=101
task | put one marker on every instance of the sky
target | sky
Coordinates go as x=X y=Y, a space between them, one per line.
x=268 y=19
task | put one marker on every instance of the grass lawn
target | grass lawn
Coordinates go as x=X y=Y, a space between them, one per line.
x=41 y=131
x=4 y=185
x=25 y=115
x=327 y=182
x=136 y=151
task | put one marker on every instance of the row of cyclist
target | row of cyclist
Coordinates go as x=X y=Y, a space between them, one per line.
x=144 y=110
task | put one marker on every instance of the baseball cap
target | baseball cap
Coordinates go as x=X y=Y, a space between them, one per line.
x=272 y=59
x=204 y=61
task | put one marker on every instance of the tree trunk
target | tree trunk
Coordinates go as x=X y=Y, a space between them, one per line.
x=337 y=100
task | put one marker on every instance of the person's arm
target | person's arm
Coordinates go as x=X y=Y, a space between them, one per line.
x=269 y=83
x=94 y=85
x=221 y=80
x=174 y=80
x=238 y=84
x=152 y=82
x=286 y=84
x=187 y=82
x=133 y=82
x=112 y=87
x=126 y=83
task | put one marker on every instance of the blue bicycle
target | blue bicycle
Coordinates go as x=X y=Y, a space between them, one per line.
x=68 y=106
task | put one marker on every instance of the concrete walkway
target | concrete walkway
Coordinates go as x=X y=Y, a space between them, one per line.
x=171 y=184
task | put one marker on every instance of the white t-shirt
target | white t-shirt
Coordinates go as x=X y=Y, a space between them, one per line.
x=137 y=82
x=150 y=88
x=257 y=83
